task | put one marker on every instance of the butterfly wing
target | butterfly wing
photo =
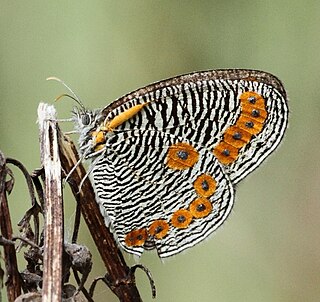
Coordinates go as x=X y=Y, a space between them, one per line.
x=144 y=193
x=195 y=132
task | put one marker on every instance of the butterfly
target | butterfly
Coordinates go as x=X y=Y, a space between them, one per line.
x=166 y=157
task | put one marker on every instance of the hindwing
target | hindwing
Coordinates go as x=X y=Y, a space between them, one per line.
x=140 y=192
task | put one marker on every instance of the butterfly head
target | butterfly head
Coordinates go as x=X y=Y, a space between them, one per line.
x=88 y=125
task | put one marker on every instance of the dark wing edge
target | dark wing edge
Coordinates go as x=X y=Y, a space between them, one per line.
x=227 y=74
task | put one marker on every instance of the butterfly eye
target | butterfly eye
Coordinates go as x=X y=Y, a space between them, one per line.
x=86 y=119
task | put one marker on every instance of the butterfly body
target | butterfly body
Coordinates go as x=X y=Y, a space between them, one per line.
x=166 y=157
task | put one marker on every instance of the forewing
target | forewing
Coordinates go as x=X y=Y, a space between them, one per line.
x=206 y=107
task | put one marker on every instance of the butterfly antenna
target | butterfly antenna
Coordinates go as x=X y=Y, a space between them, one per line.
x=74 y=96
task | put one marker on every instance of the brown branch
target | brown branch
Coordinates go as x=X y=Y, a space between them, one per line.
x=53 y=224
x=122 y=281
x=13 y=283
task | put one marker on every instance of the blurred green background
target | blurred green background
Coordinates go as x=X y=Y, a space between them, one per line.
x=269 y=249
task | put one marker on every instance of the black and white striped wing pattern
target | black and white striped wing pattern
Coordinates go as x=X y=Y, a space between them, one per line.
x=172 y=152
x=140 y=192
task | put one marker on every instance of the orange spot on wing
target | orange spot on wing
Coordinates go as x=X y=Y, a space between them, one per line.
x=249 y=124
x=136 y=237
x=236 y=136
x=182 y=156
x=159 y=228
x=252 y=98
x=258 y=115
x=225 y=153
x=201 y=207
x=181 y=219
x=205 y=185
